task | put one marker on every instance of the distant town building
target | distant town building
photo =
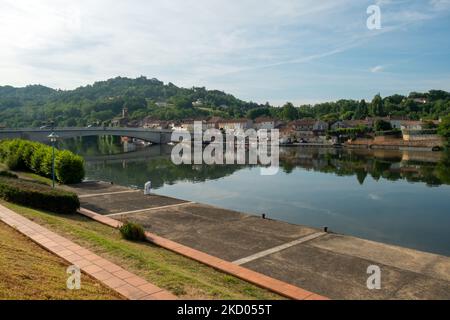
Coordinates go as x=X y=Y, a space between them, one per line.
x=121 y=121
x=188 y=125
x=348 y=124
x=213 y=123
x=264 y=123
x=320 y=126
x=411 y=125
x=150 y=123
x=420 y=100
x=233 y=125
x=303 y=125
x=198 y=103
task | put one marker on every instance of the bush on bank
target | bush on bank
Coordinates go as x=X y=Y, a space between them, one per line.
x=38 y=196
x=132 y=231
x=69 y=167
x=23 y=155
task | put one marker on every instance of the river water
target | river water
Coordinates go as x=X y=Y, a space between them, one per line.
x=396 y=197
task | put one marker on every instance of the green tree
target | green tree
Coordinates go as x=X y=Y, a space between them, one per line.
x=288 y=112
x=347 y=115
x=258 y=112
x=381 y=125
x=362 y=111
x=377 y=108
x=444 y=128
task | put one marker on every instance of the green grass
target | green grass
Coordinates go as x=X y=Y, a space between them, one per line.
x=29 y=272
x=29 y=175
x=184 y=277
x=34 y=177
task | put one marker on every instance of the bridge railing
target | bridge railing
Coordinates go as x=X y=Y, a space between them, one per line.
x=62 y=129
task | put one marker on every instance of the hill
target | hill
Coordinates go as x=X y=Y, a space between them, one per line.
x=102 y=101
x=99 y=103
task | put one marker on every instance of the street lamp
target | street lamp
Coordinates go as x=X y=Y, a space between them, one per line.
x=53 y=138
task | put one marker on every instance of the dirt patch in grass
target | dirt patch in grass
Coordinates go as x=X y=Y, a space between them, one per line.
x=183 y=277
x=28 y=272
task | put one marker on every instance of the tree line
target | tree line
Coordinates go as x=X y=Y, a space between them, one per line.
x=101 y=102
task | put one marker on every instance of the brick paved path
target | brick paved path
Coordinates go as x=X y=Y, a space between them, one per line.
x=125 y=283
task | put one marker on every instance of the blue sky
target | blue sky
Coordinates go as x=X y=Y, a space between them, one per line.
x=303 y=51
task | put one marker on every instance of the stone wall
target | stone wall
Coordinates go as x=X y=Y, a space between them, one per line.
x=389 y=142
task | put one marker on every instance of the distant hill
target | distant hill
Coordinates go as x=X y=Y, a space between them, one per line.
x=99 y=103
x=102 y=101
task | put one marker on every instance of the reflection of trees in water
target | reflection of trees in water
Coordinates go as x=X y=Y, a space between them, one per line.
x=430 y=168
x=159 y=171
x=92 y=145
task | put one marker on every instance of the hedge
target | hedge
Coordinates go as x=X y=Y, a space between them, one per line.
x=69 y=168
x=36 y=157
x=38 y=196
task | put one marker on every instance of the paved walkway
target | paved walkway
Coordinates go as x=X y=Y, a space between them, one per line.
x=277 y=286
x=125 y=283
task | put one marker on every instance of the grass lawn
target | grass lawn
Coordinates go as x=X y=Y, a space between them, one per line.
x=29 y=272
x=183 y=277
x=28 y=175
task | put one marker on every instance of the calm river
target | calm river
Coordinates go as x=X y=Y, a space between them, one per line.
x=390 y=196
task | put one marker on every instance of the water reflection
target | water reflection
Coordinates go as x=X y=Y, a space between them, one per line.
x=430 y=168
x=107 y=157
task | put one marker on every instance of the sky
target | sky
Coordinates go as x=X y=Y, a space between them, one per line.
x=304 y=51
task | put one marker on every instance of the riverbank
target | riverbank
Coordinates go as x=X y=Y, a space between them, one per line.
x=434 y=143
x=182 y=277
x=328 y=264
x=369 y=144
x=30 y=272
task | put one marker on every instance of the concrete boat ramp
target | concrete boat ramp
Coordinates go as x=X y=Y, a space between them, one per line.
x=332 y=265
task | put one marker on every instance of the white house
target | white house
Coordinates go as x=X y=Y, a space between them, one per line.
x=264 y=123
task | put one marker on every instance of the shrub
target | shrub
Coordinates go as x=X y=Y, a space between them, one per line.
x=132 y=231
x=381 y=125
x=69 y=168
x=38 y=158
x=4 y=149
x=45 y=169
x=38 y=196
x=13 y=162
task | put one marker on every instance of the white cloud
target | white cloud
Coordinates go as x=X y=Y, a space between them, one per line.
x=377 y=69
x=440 y=4
x=66 y=43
